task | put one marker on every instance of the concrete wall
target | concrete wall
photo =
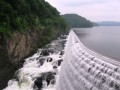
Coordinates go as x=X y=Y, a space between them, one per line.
x=84 y=69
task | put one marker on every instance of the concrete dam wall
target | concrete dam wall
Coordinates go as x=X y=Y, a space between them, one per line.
x=84 y=69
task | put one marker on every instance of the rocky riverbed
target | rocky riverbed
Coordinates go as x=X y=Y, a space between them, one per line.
x=40 y=71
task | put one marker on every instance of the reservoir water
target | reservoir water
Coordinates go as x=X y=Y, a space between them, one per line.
x=104 y=40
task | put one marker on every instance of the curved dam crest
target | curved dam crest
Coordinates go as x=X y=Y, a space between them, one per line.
x=94 y=53
x=84 y=69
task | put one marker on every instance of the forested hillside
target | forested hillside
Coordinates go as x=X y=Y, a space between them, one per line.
x=22 y=15
x=76 y=21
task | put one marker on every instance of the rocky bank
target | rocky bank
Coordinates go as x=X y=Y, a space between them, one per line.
x=40 y=71
x=14 y=49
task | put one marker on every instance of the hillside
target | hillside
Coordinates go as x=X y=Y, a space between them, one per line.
x=76 y=21
x=25 y=25
x=108 y=23
x=21 y=15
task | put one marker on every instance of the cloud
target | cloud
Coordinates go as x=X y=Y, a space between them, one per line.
x=94 y=10
x=73 y=3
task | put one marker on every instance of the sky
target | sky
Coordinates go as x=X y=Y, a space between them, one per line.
x=94 y=10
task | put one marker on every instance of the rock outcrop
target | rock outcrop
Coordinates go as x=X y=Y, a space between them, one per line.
x=38 y=71
x=20 y=45
x=13 y=50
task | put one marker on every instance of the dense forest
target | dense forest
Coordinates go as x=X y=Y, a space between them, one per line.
x=22 y=15
x=76 y=21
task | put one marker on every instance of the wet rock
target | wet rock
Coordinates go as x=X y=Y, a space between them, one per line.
x=62 y=52
x=48 y=77
x=38 y=83
x=49 y=59
x=63 y=42
x=41 y=61
x=46 y=52
x=63 y=36
x=55 y=66
x=59 y=62
x=51 y=50
x=39 y=51
x=53 y=81
x=17 y=75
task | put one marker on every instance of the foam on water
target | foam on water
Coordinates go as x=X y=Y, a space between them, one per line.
x=32 y=69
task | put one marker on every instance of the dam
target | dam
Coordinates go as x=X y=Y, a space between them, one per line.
x=75 y=67
x=84 y=69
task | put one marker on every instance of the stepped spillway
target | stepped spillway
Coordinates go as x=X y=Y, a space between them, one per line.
x=84 y=69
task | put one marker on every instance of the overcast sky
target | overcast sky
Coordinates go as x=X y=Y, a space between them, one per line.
x=94 y=10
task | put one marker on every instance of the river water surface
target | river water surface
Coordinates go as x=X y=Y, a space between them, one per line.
x=104 y=40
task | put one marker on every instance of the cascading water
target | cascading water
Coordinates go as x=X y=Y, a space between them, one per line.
x=40 y=71
x=84 y=69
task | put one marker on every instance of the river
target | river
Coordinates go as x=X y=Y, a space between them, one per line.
x=104 y=40
x=41 y=70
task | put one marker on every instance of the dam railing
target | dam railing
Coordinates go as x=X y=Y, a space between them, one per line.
x=84 y=69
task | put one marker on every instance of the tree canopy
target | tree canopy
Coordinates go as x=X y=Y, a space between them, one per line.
x=22 y=15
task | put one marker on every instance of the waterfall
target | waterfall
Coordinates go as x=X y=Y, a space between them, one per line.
x=84 y=69
x=81 y=69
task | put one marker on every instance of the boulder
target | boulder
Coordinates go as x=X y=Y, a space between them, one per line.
x=59 y=62
x=53 y=81
x=41 y=61
x=38 y=83
x=48 y=77
x=46 y=52
x=49 y=59
x=55 y=66
x=62 y=52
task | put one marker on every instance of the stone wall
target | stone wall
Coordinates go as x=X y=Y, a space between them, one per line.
x=83 y=69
